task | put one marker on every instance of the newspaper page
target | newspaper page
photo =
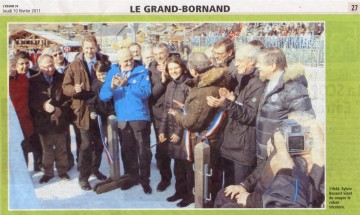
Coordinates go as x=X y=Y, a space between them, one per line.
x=317 y=172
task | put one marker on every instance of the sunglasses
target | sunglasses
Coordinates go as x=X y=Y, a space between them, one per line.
x=57 y=54
x=25 y=63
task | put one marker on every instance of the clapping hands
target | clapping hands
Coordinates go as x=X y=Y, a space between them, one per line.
x=118 y=81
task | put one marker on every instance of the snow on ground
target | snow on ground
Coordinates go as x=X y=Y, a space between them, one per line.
x=25 y=191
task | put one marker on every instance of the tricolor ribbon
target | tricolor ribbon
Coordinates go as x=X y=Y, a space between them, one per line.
x=213 y=128
x=104 y=142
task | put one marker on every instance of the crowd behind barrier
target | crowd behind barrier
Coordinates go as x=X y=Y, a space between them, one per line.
x=307 y=49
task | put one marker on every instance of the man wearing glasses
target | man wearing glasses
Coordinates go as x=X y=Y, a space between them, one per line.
x=223 y=55
x=61 y=65
x=59 y=60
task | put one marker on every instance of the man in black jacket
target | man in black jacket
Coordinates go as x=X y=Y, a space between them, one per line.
x=49 y=106
x=159 y=81
x=238 y=148
x=285 y=92
x=61 y=64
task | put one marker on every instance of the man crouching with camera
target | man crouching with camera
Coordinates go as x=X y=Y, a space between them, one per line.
x=294 y=173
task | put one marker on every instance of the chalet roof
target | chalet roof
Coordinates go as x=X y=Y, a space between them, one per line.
x=51 y=36
x=111 y=29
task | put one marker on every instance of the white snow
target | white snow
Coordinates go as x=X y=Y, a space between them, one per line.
x=25 y=191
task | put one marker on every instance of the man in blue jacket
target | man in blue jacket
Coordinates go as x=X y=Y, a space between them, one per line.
x=129 y=85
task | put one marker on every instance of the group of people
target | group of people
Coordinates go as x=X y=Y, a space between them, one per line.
x=241 y=96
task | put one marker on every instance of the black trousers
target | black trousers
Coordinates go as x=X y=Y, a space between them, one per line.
x=162 y=155
x=90 y=151
x=235 y=173
x=135 y=149
x=184 y=176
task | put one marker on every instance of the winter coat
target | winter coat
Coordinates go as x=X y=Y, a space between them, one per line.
x=239 y=142
x=282 y=192
x=289 y=188
x=156 y=100
x=199 y=113
x=289 y=95
x=176 y=90
x=131 y=101
x=19 y=95
x=39 y=92
x=78 y=73
x=104 y=109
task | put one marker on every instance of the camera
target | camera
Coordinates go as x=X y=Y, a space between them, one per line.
x=294 y=134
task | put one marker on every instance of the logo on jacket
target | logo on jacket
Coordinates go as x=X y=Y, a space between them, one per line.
x=134 y=81
x=253 y=100
x=274 y=97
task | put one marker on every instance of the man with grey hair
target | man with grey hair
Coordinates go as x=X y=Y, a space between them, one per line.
x=135 y=49
x=285 y=92
x=147 y=56
x=50 y=109
x=238 y=148
x=159 y=81
x=198 y=63
x=199 y=116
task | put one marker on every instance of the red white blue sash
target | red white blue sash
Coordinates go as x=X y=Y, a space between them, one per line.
x=213 y=128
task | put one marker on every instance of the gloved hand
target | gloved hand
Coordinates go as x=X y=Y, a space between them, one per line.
x=48 y=107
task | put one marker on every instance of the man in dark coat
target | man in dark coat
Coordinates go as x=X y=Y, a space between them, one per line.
x=207 y=82
x=61 y=65
x=238 y=148
x=77 y=84
x=159 y=81
x=285 y=92
x=49 y=106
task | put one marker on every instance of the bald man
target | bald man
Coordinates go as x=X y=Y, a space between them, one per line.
x=128 y=84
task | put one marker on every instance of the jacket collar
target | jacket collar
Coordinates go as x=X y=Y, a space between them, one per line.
x=212 y=76
x=295 y=72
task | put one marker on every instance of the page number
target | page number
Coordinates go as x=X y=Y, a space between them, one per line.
x=353 y=7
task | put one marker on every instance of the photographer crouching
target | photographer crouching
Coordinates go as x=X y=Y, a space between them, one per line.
x=293 y=176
